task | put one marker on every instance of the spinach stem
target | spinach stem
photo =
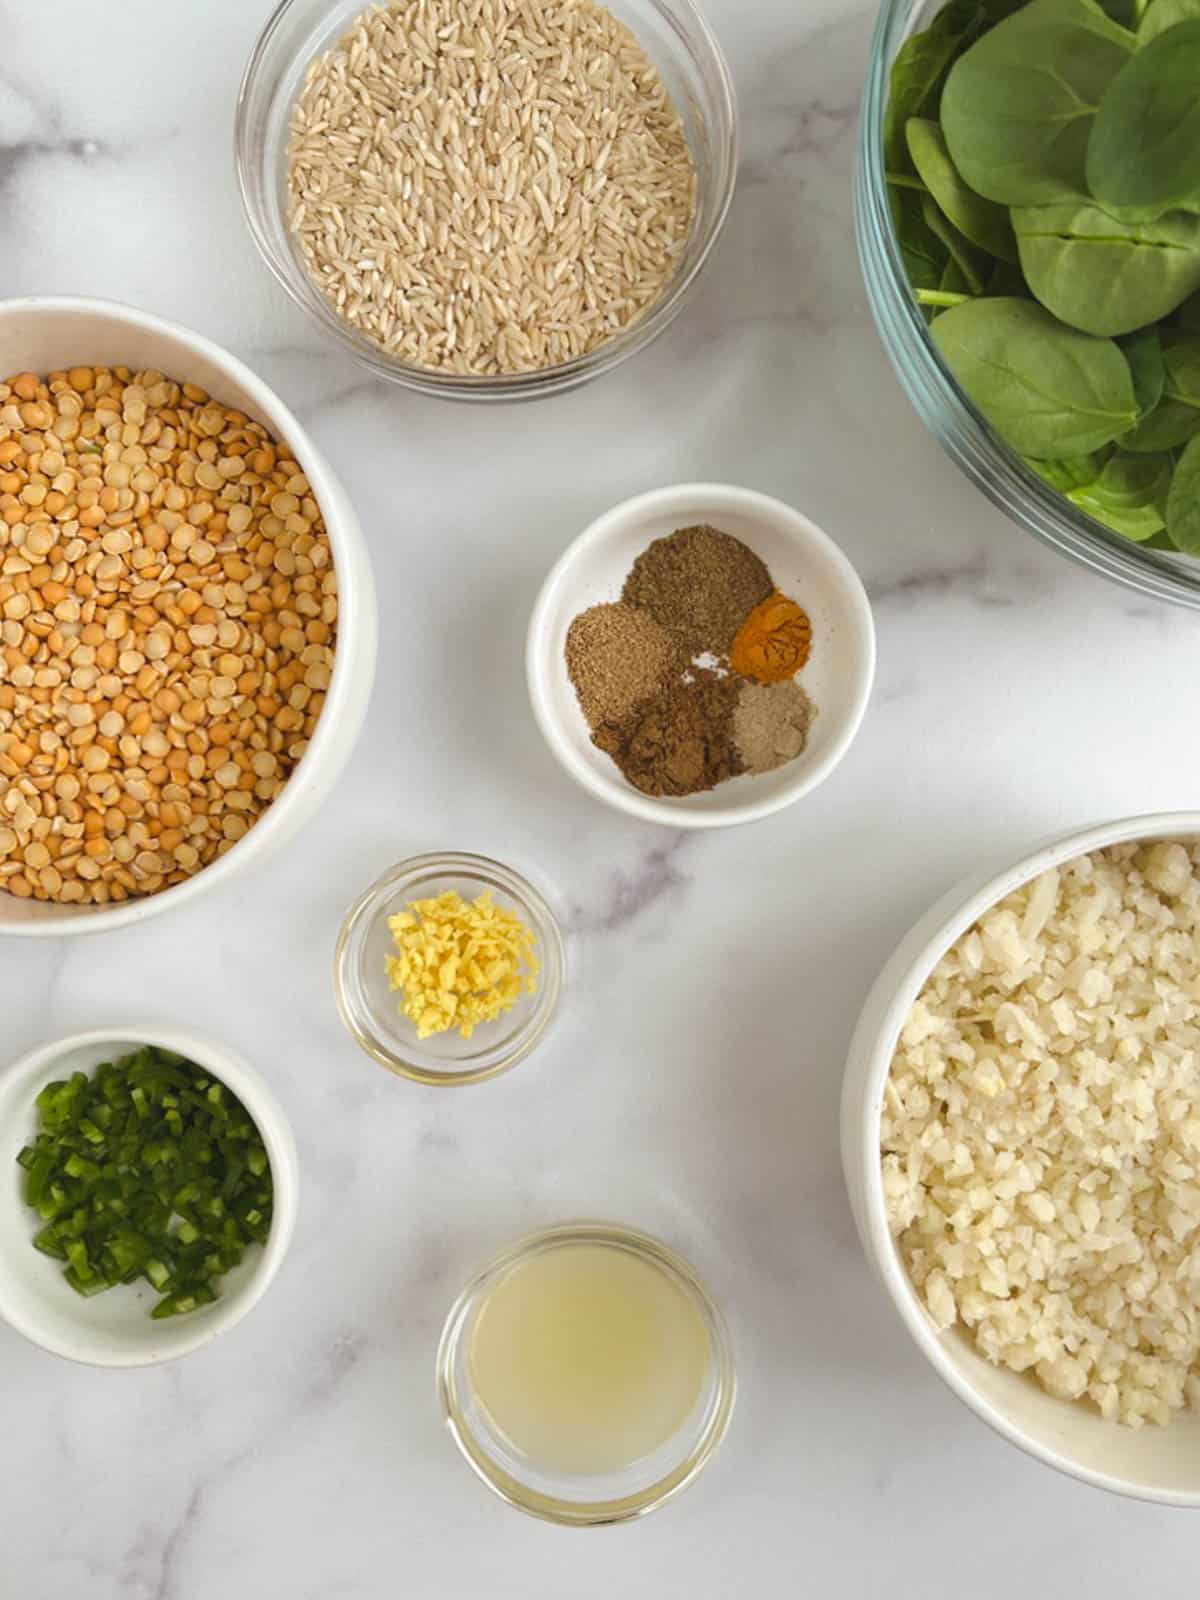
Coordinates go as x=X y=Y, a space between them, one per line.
x=940 y=297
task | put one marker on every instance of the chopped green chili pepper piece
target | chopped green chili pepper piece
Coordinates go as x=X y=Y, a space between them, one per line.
x=149 y=1169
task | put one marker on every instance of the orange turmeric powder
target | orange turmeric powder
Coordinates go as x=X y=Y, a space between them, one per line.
x=774 y=641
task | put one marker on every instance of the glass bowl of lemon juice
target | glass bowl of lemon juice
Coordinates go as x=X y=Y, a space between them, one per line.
x=586 y=1373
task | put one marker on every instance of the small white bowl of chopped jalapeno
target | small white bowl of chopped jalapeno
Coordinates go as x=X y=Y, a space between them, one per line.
x=148 y=1184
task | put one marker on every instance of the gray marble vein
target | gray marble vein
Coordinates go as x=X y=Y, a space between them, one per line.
x=628 y=893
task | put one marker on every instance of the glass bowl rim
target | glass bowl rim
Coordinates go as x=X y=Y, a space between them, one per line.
x=725 y=135
x=943 y=408
x=551 y=1508
x=494 y=875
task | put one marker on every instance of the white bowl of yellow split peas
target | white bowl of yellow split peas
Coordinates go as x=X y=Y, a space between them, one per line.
x=187 y=617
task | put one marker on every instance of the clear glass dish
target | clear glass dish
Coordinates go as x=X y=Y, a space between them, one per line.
x=938 y=400
x=369 y=1006
x=553 y=1495
x=691 y=64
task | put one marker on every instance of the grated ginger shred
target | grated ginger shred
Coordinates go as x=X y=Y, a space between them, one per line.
x=460 y=962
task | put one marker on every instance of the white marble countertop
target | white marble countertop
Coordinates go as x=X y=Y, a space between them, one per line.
x=691 y=1085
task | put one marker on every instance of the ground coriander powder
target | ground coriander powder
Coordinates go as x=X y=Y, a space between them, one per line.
x=617 y=657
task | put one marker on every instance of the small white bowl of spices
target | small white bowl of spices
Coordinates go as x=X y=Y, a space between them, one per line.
x=701 y=656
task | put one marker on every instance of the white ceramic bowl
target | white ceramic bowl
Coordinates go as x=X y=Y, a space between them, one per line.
x=1160 y=1464
x=43 y=335
x=806 y=565
x=115 y=1329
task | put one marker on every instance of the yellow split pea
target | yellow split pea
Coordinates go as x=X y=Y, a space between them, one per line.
x=168 y=619
x=460 y=962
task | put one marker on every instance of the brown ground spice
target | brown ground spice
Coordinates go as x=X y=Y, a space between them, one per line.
x=681 y=741
x=618 y=656
x=700 y=582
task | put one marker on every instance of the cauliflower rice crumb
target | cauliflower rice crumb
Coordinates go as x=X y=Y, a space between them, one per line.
x=1041 y=1133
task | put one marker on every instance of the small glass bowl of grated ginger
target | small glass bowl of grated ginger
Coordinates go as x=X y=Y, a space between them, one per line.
x=449 y=969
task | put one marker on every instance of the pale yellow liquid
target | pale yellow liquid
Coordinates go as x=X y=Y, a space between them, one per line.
x=587 y=1358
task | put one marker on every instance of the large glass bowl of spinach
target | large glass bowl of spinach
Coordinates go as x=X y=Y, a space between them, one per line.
x=1028 y=219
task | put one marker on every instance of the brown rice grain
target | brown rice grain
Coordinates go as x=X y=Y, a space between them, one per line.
x=492 y=188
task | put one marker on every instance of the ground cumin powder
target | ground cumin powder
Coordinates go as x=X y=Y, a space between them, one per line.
x=702 y=584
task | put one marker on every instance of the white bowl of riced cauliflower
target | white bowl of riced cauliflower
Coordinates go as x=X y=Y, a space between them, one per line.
x=1021 y=1143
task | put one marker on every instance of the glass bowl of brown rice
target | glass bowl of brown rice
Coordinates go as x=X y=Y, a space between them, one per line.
x=487 y=199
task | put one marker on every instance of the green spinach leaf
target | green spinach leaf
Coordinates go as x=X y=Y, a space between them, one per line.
x=1007 y=279
x=919 y=71
x=1129 y=482
x=1170 y=425
x=1017 y=108
x=1159 y=541
x=972 y=263
x=1124 y=492
x=1143 y=351
x=1144 y=145
x=1188 y=315
x=981 y=221
x=1105 y=275
x=1047 y=389
x=1183 y=502
x=1128 y=495
x=954 y=281
x=1070 y=472
x=1181 y=363
x=1163 y=14
x=1137 y=523
x=923 y=253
